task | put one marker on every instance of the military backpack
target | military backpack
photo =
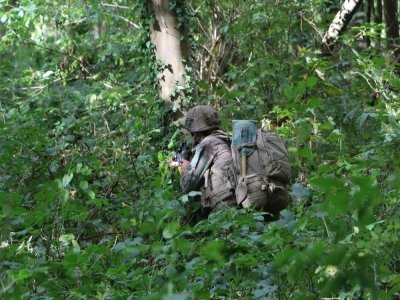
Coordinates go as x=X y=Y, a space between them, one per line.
x=262 y=168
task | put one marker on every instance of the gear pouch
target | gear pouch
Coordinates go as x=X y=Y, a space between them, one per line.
x=255 y=191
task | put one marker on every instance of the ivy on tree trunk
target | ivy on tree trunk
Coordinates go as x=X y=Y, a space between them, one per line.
x=166 y=38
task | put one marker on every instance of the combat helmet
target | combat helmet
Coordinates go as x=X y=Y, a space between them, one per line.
x=202 y=118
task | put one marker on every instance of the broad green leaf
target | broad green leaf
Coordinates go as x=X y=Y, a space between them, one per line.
x=67 y=179
x=170 y=230
x=289 y=92
x=84 y=185
x=246 y=260
x=182 y=245
x=194 y=193
x=314 y=102
x=311 y=81
x=22 y=275
x=326 y=183
x=332 y=90
x=70 y=138
x=212 y=251
x=286 y=256
x=91 y=195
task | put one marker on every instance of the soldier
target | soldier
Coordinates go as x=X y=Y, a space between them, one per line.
x=211 y=170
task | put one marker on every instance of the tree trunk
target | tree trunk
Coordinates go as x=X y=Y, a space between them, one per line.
x=340 y=22
x=378 y=20
x=378 y=12
x=392 y=26
x=168 y=49
x=370 y=10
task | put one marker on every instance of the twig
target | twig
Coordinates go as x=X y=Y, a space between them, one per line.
x=114 y=5
x=132 y=160
x=313 y=26
x=126 y=20
x=40 y=90
x=326 y=228
x=4 y=117
x=86 y=220
x=38 y=155
x=103 y=234
x=204 y=31
x=115 y=242
x=208 y=51
x=50 y=49
x=5 y=289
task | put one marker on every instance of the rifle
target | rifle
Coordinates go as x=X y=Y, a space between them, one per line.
x=183 y=152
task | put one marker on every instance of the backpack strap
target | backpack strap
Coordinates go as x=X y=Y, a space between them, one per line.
x=262 y=166
x=208 y=161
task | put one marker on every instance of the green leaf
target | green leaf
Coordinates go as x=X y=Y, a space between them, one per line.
x=86 y=171
x=67 y=179
x=261 y=293
x=332 y=90
x=286 y=256
x=175 y=297
x=194 y=193
x=100 y=202
x=142 y=158
x=182 y=245
x=337 y=202
x=84 y=185
x=170 y=230
x=289 y=92
x=173 y=139
x=326 y=183
x=70 y=138
x=147 y=227
x=184 y=198
x=91 y=195
x=363 y=118
x=299 y=192
x=22 y=274
x=300 y=88
x=312 y=81
x=314 y=102
x=212 y=251
x=246 y=260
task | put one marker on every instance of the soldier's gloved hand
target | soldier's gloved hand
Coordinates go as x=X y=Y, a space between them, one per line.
x=182 y=166
x=185 y=164
x=174 y=164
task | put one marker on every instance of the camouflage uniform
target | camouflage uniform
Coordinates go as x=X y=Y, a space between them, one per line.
x=211 y=170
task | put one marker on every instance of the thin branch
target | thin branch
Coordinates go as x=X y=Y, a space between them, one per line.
x=4 y=117
x=127 y=20
x=41 y=89
x=99 y=235
x=50 y=49
x=208 y=51
x=200 y=25
x=132 y=159
x=114 y=5
x=313 y=26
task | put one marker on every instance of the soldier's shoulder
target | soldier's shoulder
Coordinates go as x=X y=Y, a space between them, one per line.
x=213 y=141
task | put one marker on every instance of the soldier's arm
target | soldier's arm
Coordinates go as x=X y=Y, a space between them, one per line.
x=192 y=176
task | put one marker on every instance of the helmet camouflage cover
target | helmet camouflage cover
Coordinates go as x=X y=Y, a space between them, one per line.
x=201 y=118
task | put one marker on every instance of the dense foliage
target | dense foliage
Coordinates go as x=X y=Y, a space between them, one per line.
x=88 y=205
